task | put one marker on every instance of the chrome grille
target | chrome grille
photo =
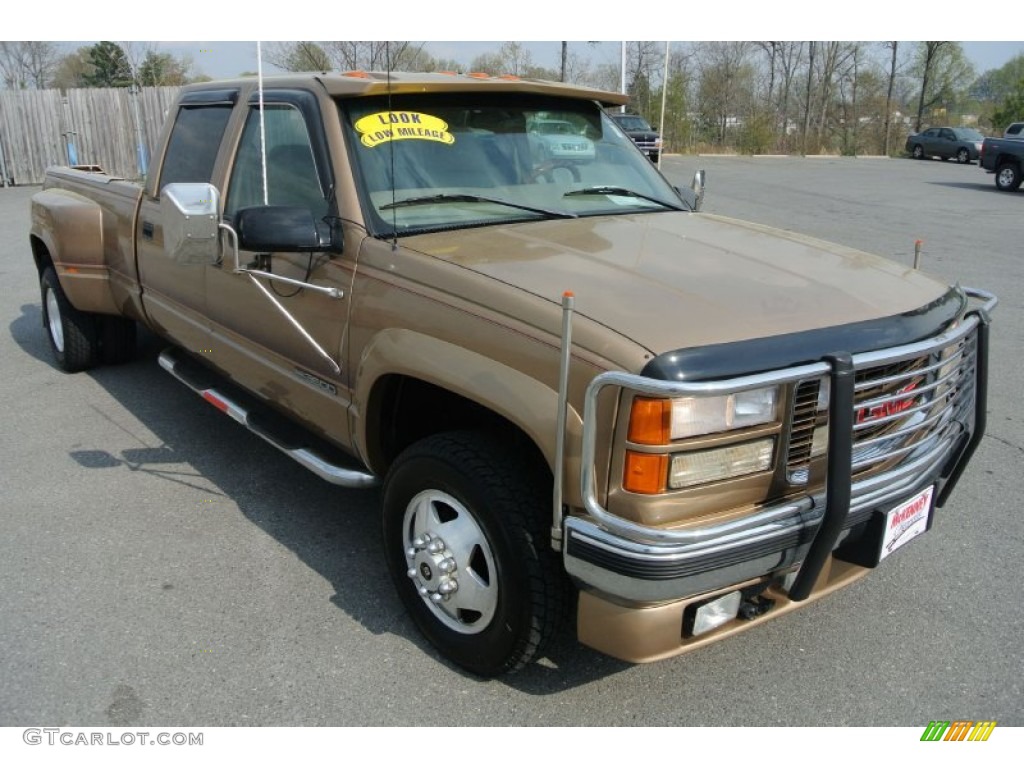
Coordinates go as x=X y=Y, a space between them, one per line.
x=801 y=435
x=903 y=408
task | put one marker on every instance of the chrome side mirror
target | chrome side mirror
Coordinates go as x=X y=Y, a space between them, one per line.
x=191 y=221
x=697 y=185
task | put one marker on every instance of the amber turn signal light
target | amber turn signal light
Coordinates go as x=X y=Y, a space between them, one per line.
x=645 y=472
x=650 y=421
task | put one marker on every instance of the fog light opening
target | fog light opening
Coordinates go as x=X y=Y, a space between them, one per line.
x=700 y=618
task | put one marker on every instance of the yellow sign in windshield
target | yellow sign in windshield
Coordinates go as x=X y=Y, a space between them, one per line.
x=382 y=127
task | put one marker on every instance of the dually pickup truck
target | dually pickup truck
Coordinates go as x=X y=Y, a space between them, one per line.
x=1004 y=158
x=580 y=393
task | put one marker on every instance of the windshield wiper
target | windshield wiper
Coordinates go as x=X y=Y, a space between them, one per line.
x=620 y=192
x=443 y=198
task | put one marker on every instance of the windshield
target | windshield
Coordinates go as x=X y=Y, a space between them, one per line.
x=445 y=161
x=968 y=134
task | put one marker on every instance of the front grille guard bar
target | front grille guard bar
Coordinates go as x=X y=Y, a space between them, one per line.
x=841 y=369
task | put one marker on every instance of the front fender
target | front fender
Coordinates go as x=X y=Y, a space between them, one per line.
x=530 y=404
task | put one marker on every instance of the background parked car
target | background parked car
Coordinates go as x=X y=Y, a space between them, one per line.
x=1014 y=131
x=640 y=132
x=560 y=140
x=962 y=143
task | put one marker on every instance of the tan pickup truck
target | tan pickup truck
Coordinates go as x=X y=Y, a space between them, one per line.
x=581 y=394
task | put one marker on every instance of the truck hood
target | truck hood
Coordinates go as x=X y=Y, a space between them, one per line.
x=676 y=280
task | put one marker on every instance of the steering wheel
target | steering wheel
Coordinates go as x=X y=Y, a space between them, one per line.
x=547 y=170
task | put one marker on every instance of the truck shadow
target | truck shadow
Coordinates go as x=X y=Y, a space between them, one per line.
x=987 y=186
x=335 y=531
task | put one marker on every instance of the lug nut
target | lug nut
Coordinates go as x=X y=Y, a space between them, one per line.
x=448 y=564
x=419 y=542
x=436 y=598
x=448 y=586
x=422 y=591
x=411 y=573
x=411 y=552
x=435 y=546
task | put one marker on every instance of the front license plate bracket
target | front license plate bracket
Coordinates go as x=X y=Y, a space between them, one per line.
x=889 y=529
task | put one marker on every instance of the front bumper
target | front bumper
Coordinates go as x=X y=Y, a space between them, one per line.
x=642 y=565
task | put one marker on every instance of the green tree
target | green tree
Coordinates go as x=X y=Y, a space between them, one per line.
x=998 y=84
x=73 y=70
x=1012 y=109
x=944 y=72
x=163 y=69
x=300 y=56
x=110 y=67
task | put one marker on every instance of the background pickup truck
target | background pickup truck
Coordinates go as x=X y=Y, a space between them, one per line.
x=1004 y=158
x=577 y=390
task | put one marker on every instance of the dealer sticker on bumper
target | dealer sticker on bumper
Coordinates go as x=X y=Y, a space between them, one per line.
x=907 y=521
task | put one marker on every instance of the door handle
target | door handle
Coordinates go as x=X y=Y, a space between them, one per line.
x=147 y=230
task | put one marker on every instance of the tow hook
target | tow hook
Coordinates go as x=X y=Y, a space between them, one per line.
x=754 y=604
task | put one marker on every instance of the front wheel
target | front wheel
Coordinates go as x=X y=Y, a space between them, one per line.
x=918 y=152
x=1008 y=177
x=466 y=542
x=963 y=156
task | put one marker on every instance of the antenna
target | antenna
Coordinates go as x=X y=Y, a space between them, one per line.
x=263 y=127
x=391 y=152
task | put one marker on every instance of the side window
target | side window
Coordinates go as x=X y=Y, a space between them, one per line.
x=291 y=170
x=195 y=139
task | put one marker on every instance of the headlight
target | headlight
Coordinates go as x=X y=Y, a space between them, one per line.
x=654 y=421
x=699 y=467
x=692 y=416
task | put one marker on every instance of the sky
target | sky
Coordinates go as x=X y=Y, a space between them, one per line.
x=232 y=49
x=228 y=59
x=223 y=59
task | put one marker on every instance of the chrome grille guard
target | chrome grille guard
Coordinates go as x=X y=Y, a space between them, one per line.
x=938 y=441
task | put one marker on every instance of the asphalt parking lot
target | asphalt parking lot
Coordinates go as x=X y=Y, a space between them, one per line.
x=162 y=565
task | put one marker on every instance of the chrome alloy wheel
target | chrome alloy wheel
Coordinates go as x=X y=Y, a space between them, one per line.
x=1005 y=178
x=450 y=561
x=55 y=325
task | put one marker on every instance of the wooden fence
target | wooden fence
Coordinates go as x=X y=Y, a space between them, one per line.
x=95 y=126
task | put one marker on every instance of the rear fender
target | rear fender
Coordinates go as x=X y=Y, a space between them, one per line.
x=70 y=227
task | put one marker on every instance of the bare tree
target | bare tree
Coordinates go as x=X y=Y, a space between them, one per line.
x=894 y=45
x=807 y=103
x=790 y=54
x=28 y=64
x=726 y=83
x=771 y=50
x=298 y=56
x=371 y=54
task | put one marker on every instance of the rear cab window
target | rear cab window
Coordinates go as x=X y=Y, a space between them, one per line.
x=196 y=137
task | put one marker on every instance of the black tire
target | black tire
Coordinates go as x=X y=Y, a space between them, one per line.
x=492 y=505
x=1008 y=177
x=654 y=157
x=117 y=339
x=72 y=334
x=963 y=156
x=917 y=152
